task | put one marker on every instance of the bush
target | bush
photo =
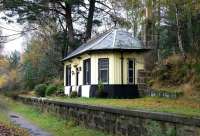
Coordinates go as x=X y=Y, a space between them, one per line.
x=12 y=94
x=51 y=89
x=101 y=93
x=60 y=90
x=40 y=90
x=73 y=94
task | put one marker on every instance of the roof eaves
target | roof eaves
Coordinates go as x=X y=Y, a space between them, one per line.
x=113 y=49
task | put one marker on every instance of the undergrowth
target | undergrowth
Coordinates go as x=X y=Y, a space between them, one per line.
x=179 y=74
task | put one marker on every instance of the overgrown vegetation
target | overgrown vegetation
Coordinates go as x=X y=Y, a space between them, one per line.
x=40 y=90
x=73 y=94
x=50 y=90
x=100 y=90
x=178 y=74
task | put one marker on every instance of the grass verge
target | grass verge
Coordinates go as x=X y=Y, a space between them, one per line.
x=179 y=106
x=50 y=123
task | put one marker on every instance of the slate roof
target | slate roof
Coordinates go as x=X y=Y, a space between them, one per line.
x=115 y=39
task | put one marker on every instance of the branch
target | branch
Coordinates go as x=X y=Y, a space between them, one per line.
x=108 y=12
x=57 y=11
x=60 y=3
x=59 y=19
x=104 y=5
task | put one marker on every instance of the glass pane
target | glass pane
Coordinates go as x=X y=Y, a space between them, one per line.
x=103 y=63
x=87 y=71
x=68 y=75
x=130 y=73
x=103 y=70
x=130 y=80
x=87 y=67
x=104 y=76
x=130 y=64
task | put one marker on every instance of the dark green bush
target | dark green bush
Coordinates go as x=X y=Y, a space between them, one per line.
x=100 y=91
x=60 y=90
x=50 y=90
x=73 y=94
x=197 y=68
x=12 y=94
x=40 y=90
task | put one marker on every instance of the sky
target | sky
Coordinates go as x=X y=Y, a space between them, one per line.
x=13 y=45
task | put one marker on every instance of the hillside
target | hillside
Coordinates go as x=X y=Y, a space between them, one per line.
x=176 y=73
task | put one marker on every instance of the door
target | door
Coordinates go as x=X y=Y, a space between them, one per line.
x=131 y=71
x=77 y=76
x=87 y=72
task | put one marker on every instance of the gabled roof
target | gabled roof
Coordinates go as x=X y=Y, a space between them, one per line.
x=115 y=39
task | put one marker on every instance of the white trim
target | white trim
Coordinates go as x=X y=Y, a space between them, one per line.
x=86 y=91
x=67 y=90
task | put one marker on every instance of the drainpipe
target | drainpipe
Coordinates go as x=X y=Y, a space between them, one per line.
x=122 y=69
x=134 y=63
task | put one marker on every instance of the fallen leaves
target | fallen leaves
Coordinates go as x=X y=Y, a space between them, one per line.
x=9 y=130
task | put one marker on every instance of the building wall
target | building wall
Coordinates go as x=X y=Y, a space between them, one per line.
x=117 y=66
x=114 y=67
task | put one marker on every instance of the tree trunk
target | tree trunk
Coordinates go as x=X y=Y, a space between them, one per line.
x=189 y=28
x=180 y=42
x=90 y=20
x=148 y=27
x=135 y=28
x=158 y=33
x=69 y=27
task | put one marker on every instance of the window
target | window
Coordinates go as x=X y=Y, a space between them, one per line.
x=131 y=71
x=68 y=75
x=104 y=71
x=87 y=72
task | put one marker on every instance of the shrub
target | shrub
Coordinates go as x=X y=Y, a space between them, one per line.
x=197 y=68
x=101 y=93
x=12 y=94
x=100 y=87
x=73 y=94
x=51 y=89
x=40 y=90
x=60 y=90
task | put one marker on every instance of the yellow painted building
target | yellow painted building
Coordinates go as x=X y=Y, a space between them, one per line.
x=111 y=60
